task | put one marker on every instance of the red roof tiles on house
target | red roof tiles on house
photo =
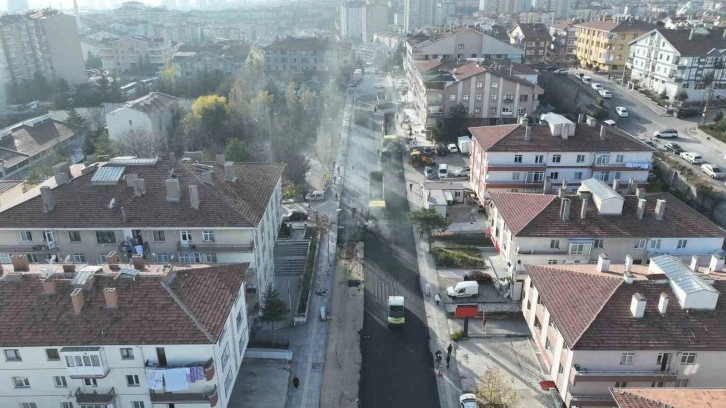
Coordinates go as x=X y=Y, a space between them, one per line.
x=488 y=136
x=519 y=209
x=467 y=70
x=669 y=397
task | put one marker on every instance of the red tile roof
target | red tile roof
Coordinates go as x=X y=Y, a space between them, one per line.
x=625 y=26
x=467 y=70
x=669 y=397
x=488 y=136
x=147 y=312
x=518 y=209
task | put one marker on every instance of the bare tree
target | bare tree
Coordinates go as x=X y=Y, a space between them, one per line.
x=140 y=142
x=96 y=118
x=495 y=390
x=326 y=148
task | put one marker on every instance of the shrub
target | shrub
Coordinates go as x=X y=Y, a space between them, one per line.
x=457 y=335
x=718 y=117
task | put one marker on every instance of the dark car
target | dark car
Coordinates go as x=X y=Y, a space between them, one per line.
x=478 y=276
x=295 y=215
x=441 y=149
x=688 y=113
x=674 y=147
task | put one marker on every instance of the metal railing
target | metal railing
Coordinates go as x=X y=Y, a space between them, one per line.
x=42 y=248
x=187 y=246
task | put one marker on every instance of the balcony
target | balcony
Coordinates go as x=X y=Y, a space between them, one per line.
x=204 y=246
x=208 y=367
x=210 y=397
x=40 y=248
x=95 y=398
x=589 y=400
x=553 y=251
x=584 y=375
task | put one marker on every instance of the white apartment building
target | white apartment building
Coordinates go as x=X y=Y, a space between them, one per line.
x=460 y=43
x=115 y=336
x=519 y=158
x=546 y=229
x=627 y=326
x=153 y=113
x=351 y=20
x=167 y=211
x=676 y=60
x=418 y=14
x=376 y=17
x=134 y=52
x=304 y=55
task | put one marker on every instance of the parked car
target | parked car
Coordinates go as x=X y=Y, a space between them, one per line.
x=468 y=401
x=462 y=172
x=441 y=149
x=608 y=122
x=666 y=133
x=692 y=157
x=463 y=289
x=561 y=71
x=605 y=93
x=688 y=113
x=596 y=86
x=621 y=111
x=317 y=195
x=443 y=171
x=713 y=171
x=429 y=172
x=452 y=148
x=295 y=215
x=586 y=79
x=674 y=147
x=478 y=276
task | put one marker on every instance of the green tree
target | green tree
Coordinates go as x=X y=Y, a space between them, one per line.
x=208 y=122
x=37 y=174
x=93 y=61
x=297 y=165
x=273 y=309
x=682 y=96
x=75 y=118
x=454 y=124
x=235 y=150
x=495 y=390
x=718 y=117
x=429 y=221
x=103 y=145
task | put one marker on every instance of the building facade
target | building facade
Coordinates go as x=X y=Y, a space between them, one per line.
x=534 y=39
x=673 y=61
x=135 y=53
x=376 y=18
x=351 y=20
x=154 y=114
x=564 y=40
x=191 y=66
x=605 y=44
x=294 y=56
x=418 y=14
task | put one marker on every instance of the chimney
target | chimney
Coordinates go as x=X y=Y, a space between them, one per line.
x=581 y=118
x=561 y=192
x=131 y=180
x=602 y=132
x=173 y=191
x=583 y=210
x=47 y=195
x=49 y=286
x=90 y=159
x=69 y=268
x=220 y=160
x=637 y=306
x=138 y=262
x=547 y=188
x=62 y=173
x=194 y=197
x=694 y=263
x=660 y=206
x=663 y=303
x=628 y=263
x=717 y=261
x=564 y=184
x=592 y=122
x=140 y=186
x=616 y=184
x=631 y=186
x=77 y=299
x=111 y=298
x=640 y=192
x=690 y=35
x=528 y=133
x=641 y=208
x=169 y=274
x=229 y=172
x=112 y=258
x=172 y=157
x=20 y=263
x=723 y=34
x=123 y=214
x=565 y=209
x=603 y=263
x=207 y=177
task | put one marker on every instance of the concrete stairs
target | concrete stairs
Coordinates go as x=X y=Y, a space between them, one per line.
x=291 y=256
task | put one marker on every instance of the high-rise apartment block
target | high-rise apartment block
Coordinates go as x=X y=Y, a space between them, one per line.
x=418 y=14
x=351 y=20
x=375 y=19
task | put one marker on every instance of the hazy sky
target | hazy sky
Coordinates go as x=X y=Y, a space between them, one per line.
x=68 y=4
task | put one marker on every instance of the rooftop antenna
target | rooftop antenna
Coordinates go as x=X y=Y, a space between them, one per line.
x=111 y=205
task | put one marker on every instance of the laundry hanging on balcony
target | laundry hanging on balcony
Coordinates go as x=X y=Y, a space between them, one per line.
x=176 y=379
x=155 y=379
x=195 y=374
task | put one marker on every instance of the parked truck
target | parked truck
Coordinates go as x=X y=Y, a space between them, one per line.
x=357 y=75
x=464 y=144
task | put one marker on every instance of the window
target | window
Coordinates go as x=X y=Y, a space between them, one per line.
x=495 y=84
x=208 y=236
x=12 y=355
x=225 y=356
x=52 y=354
x=32 y=258
x=238 y=321
x=621 y=384
x=105 y=237
x=127 y=354
x=580 y=158
x=480 y=85
x=28 y=405
x=602 y=159
x=159 y=236
x=163 y=258
x=477 y=109
x=515 y=176
x=657 y=384
x=578 y=175
x=619 y=158
x=494 y=97
x=209 y=258
x=682 y=243
x=655 y=244
x=534 y=177
x=552 y=262
x=66 y=405
x=461 y=46
x=79 y=258
x=688 y=358
x=91 y=382
x=682 y=382
x=554 y=244
x=103 y=258
x=539 y=158
x=598 y=243
x=478 y=97
x=465 y=98
x=74 y=236
x=523 y=98
x=554 y=175
x=452 y=98
x=5 y=259
x=548 y=345
x=21 y=382
x=132 y=380
x=556 y=158
x=639 y=244
x=627 y=358
x=26 y=236
x=60 y=381
x=522 y=110
x=493 y=110
x=580 y=248
x=517 y=158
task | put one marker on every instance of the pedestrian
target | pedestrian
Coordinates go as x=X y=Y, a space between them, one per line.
x=448 y=359
x=336 y=196
x=295 y=382
x=449 y=349
x=438 y=358
x=437 y=298
x=410 y=186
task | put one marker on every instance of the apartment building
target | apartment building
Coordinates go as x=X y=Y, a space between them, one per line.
x=134 y=53
x=36 y=140
x=313 y=56
x=376 y=17
x=627 y=327
x=194 y=64
x=445 y=13
x=520 y=158
x=123 y=337
x=545 y=229
x=676 y=60
x=418 y=14
x=537 y=16
x=605 y=44
x=165 y=210
x=351 y=20
x=663 y=397
x=492 y=95
x=46 y=42
x=534 y=39
x=154 y=113
x=459 y=43
x=564 y=40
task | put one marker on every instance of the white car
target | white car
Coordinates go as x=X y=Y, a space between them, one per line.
x=666 y=133
x=692 y=157
x=586 y=79
x=316 y=195
x=462 y=172
x=621 y=111
x=452 y=148
x=596 y=86
x=605 y=93
x=609 y=122
x=713 y=171
x=468 y=401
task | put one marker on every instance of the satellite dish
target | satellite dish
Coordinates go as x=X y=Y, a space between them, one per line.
x=67 y=259
x=112 y=204
x=46 y=273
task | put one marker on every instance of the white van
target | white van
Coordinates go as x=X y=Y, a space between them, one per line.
x=463 y=289
x=316 y=195
x=443 y=171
